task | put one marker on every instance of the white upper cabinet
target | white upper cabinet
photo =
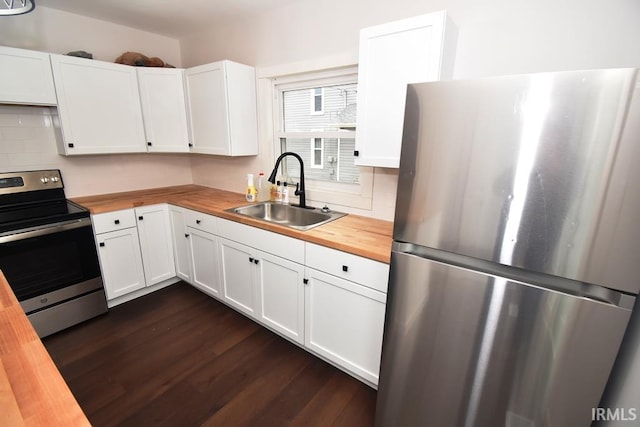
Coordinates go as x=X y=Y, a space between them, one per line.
x=99 y=107
x=164 y=109
x=413 y=50
x=223 y=109
x=25 y=77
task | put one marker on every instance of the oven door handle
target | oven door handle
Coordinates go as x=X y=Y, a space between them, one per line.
x=49 y=229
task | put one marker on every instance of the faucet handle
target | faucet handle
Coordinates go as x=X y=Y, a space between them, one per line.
x=297 y=192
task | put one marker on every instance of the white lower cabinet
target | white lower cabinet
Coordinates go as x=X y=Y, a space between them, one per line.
x=281 y=295
x=203 y=250
x=345 y=300
x=135 y=249
x=156 y=243
x=329 y=301
x=119 y=252
x=238 y=274
x=196 y=249
x=262 y=276
x=181 y=245
x=344 y=322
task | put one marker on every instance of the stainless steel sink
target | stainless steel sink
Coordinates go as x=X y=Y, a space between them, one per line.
x=287 y=215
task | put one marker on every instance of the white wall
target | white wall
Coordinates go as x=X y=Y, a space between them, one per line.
x=28 y=142
x=55 y=31
x=495 y=37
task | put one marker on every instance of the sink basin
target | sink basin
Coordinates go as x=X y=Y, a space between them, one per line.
x=287 y=215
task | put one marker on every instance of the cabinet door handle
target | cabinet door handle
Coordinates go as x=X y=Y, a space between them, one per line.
x=198 y=221
x=256 y=261
x=345 y=268
x=101 y=244
x=140 y=218
x=70 y=145
x=116 y=222
x=356 y=153
x=250 y=259
x=190 y=145
x=149 y=144
x=305 y=281
x=186 y=234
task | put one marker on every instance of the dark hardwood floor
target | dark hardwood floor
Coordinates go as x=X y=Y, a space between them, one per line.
x=178 y=357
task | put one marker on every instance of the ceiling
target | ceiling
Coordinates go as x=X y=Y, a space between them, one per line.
x=175 y=19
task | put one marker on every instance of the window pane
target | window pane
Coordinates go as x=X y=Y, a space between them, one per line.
x=338 y=99
x=338 y=165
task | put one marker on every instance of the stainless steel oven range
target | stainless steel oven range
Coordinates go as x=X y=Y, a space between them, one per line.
x=47 y=251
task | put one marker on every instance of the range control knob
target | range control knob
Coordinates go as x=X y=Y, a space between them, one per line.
x=55 y=179
x=44 y=180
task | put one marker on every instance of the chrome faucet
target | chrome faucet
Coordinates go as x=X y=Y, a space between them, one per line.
x=299 y=186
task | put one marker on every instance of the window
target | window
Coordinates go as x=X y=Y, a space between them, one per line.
x=329 y=156
x=317 y=100
x=323 y=135
x=317 y=153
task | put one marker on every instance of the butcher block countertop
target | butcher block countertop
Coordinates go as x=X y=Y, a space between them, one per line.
x=32 y=391
x=367 y=237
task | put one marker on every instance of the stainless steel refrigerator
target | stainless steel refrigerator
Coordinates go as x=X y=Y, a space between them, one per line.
x=515 y=261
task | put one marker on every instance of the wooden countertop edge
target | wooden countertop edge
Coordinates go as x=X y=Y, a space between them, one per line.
x=366 y=237
x=32 y=391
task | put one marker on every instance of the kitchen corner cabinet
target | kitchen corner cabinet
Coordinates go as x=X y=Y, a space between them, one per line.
x=156 y=243
x=196 y=249
x=164 y=109
x=98 y=105
x=223 y=109
x=344 y=310
x=417 y=49
x=119 y=252
x=26 y=77
x=181 y=246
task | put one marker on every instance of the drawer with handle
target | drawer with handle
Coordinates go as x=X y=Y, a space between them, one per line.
x=367 y=272
x=112 y=221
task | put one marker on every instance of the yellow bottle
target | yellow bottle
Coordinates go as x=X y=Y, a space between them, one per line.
x=251 y=193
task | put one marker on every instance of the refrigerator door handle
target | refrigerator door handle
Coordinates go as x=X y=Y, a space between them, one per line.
x=554 y=283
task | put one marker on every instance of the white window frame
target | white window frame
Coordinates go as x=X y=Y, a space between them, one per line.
x=359 y=196
x=312 y=160
x=313 y=96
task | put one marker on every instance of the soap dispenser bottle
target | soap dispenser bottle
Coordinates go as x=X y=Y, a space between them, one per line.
x=263 y=188
x=251 y=192
x=285 y=193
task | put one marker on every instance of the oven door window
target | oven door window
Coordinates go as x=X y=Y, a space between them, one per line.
x=38 y=265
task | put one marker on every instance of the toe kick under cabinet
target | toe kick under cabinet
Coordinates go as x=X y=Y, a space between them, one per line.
x=328 y=301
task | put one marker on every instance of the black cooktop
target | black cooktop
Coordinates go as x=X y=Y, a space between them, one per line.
x=34 y=198
x=14 y=218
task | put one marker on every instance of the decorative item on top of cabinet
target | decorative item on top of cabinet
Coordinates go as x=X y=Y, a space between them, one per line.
x=99 y=107
x=164 y=109
x=223 y=109
x=25 y=77
x=417 y=49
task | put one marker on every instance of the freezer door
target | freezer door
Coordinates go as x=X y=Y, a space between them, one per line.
x=463 y=348
x=536 y=171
